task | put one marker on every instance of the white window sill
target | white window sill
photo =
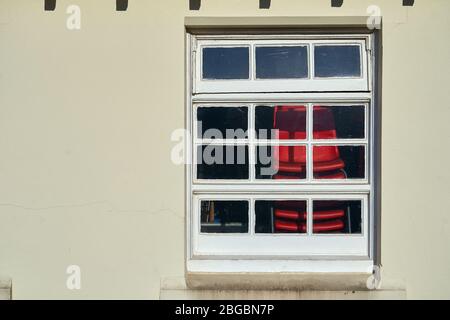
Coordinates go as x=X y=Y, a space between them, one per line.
x=286 y=266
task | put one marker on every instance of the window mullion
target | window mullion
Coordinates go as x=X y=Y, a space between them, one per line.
x=309 y=166
x=220 y=142
x=251 y=65
x=251 y=137
x=309 y=155
x=309 y=217
x=311 y=60
x=340 y=142
x=252 y=216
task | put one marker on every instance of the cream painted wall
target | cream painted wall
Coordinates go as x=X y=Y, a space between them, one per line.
x=85 y=124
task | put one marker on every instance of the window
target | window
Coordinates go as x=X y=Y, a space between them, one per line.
x=282 y=153
x=273 y=65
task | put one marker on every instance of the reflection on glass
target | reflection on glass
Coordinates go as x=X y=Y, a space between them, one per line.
x=222 y=122
x=226 y=63
x=281 y=162
x=280 y=216
x=281 y=62
x=224 y=216
x=337 y=216
x=337 y=61
x=340 y=122
x=222 y=162
x=280 y=122
x=339 y=162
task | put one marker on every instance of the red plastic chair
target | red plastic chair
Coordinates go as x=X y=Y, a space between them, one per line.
x=317 y=215
x=290 y=158
x=323 y=123
x=290 y=217
x=291 y=124
x=291 y=227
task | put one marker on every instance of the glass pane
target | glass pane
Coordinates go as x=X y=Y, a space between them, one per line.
x=224 y=216
x=338 y=162
x=337 y=216
x=280 y=122
x=280 y=216
x=222 y=122
x=281 y=162
x=281 y=62
x=226 y=63
x=341 y=122
x=337 y=61
x=222 y=162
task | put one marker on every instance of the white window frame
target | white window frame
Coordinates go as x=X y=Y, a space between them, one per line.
x=309 y=84
x=289 y=245
x=252 y=142
x=261 y=252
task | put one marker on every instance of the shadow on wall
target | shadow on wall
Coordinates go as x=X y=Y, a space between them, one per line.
x=194 y=4
x=121 y=5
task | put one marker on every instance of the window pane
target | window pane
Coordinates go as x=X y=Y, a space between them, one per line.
x=280 y=122
x=280 y=216
x=281 y=162
x=338 y=162
x=222 y=162
x=337 y=61
x=224 y=217
x=226 y=63
x=222 y=122
x=281 y=62
x=337 y=216
x=340 y=122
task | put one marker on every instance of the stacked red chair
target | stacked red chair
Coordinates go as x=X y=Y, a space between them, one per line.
x=290 y=122
x=291 y=217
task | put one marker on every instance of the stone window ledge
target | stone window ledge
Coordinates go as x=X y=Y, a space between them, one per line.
x=177 y=288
